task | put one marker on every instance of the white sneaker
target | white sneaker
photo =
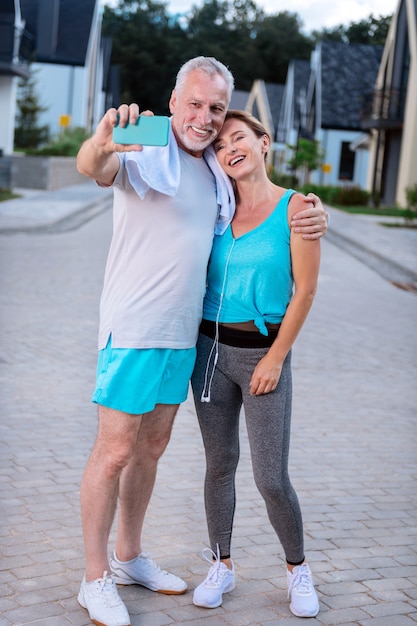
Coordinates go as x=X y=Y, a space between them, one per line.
x=304 y=600
x=103 y=603
x=143 y=571
x=219 y=580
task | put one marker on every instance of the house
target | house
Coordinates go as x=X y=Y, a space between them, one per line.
x=292 y=117
x=322 y=100
x=68 y=60
x=239 y=100
x=264 y=102
x=340 y=77
x=14 y=52
x=392 y=118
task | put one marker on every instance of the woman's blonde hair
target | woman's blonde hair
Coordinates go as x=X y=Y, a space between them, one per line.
x=248 y=119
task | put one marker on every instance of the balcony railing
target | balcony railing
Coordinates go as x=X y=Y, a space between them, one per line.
x=383 y=109
x=16 y=48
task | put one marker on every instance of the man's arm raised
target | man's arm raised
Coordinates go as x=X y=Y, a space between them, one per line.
x=97 y=156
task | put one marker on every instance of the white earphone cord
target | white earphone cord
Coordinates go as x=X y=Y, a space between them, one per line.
x=205 y=394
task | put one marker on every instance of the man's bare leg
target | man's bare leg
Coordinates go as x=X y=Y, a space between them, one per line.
x=138 y=478
x=114 y=447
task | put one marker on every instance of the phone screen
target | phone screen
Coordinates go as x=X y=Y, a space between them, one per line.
x=148 y=131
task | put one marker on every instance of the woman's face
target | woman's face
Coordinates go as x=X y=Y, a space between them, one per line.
x=239 y=150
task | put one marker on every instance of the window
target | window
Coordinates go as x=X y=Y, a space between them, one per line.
x=347 y=162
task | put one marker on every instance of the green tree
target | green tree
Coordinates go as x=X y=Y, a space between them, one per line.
x=149 y=46
x=307 y=157
x=411 y=195
x=370 y=31
x=329 y=34
x=28 y=135
x=208 y=30
x=410 y=213
x=227 y=30
x=279 y=39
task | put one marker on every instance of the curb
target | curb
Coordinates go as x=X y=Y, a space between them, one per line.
x=387 y=268
x=66 y=223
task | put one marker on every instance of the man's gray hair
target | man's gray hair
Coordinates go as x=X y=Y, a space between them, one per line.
x=210 y=66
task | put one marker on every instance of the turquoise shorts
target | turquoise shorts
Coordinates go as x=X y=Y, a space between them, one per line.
x=136 y=380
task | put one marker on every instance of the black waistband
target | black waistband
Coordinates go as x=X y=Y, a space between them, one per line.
x=237 y=337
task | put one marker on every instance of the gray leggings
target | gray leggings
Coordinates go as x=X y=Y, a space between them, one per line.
x=268 y=422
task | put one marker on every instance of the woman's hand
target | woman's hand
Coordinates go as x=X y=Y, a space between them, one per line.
x=265 y=377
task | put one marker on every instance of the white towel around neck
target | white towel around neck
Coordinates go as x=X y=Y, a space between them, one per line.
x=158 y=168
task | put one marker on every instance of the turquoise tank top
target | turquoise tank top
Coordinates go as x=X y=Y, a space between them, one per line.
x=250 y=277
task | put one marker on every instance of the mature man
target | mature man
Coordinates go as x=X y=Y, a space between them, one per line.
x=168 y=202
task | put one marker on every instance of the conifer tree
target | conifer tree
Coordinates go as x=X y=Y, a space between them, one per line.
x=29 y=135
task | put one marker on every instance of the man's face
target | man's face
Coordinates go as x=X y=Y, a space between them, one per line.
x=198 y=111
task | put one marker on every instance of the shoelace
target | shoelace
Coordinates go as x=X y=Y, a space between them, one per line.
x=216 y=575
x=108 y=589
x=151 y=565
x=302 y=580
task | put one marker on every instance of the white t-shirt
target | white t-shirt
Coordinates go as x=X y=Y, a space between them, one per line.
x=155 y=276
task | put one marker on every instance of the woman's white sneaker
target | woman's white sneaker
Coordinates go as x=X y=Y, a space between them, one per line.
x=219 y=580
x=303 y=596
x=103 y=603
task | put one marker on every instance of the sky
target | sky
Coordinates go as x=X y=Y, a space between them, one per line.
x=315 y=14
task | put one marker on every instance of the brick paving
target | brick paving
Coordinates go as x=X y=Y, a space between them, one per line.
x=353 y=455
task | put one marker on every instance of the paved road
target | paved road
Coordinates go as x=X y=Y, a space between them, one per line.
x=353 y=457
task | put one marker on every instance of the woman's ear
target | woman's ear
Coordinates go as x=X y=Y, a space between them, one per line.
x=265 y=143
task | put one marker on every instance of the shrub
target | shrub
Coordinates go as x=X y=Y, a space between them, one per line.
x=352 y=196
x=346 y=196
x=7 y=194
x=326 y=193
x=66 y=143
x=289 y=181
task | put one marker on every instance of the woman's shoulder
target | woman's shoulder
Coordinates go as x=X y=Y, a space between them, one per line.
x=296 y=202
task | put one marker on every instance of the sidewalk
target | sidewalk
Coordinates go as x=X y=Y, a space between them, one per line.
x=353 y=454
x=390 y=251
x=53 y=211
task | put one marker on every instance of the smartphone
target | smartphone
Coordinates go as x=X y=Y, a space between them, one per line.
x=149 y=130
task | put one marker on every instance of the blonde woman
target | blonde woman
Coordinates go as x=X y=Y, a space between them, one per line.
x=262 y=279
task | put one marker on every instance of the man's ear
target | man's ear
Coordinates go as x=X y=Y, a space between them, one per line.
x=172 y=101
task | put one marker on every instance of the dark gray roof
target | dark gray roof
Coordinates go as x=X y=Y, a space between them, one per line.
x=275 y=95
x=301 y=79
x=348 y=74
x=239 y=100
x=301 y=75
x=61 y=29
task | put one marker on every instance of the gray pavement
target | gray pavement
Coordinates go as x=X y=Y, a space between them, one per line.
x=353 y=455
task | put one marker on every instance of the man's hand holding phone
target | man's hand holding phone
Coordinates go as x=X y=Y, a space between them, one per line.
x=103 y=136
x=119 y=130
